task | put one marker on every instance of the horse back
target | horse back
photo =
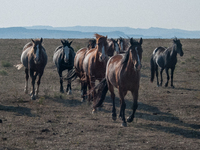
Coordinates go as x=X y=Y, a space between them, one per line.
x=78 y=60
x=159 y=50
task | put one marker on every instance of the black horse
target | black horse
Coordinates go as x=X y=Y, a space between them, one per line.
x=64 y=59
x=165 y=58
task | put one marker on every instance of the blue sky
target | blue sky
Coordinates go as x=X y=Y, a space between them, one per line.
x=179 y=14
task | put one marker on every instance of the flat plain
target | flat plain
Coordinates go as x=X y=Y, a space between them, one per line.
x=166 y=118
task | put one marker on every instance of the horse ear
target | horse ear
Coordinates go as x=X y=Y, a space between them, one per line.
x=70 y=43
x=131 y=41
x=32 y=40
x=62 y=42
x=141 y=41
x=41 y=40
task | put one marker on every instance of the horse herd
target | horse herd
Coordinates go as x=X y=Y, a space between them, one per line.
x=114 y=63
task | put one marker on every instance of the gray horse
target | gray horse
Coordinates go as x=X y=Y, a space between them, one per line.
x=165 y=58
x=64 y=59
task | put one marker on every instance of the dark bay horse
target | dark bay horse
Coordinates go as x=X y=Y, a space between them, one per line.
x=122 y=44
x=123 y=73
x=94 y=63
x=165 y=58
x=78 y=66
x=34 y=58
x=64 y=59
x=113 y=47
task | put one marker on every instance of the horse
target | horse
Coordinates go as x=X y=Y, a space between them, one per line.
x=94 y=63
x=123 y=73
x=165 y=58
x=64 y=59
x=34 y=59
x=78 y=66
x=113 y=47
x=122 y=44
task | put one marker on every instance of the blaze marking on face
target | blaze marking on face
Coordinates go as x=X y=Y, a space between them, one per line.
x=121 y=45
x=137 y=55
x=66 y=51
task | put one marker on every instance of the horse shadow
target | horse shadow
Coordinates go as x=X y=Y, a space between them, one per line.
x=67 y=102
x=154 y=114
x=157 y=115
x=19 y=110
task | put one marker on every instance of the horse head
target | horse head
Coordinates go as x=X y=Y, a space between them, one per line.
x=116 y=46
x=178 y=46
x=121 y=44
x=91 y=44
x=136 y=53
x=37 y=48
x=102 y=46
x=66 y=49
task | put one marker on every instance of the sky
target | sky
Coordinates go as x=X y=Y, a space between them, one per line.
x=178 y=14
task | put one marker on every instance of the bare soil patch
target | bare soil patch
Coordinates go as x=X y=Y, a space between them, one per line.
x=166 y=118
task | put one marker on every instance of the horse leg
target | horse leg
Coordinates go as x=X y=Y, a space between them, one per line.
x=111 y=89
x=122 y=107
x=26 y=82
x=135 y=105
x=61 y=81
x=161 y=78
x=167 y=72
x=33 y=77
x=172 y=75
x=69 y=88
x=156 y=68
x=38 y=83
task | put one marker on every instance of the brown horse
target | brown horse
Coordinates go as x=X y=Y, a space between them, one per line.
x=123 y=72
x=78 y=65
x=122 y=44
x=34 y=58
x=113 y=47
x=94 y=63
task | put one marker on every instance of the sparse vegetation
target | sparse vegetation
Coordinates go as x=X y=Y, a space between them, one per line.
x=165 y=119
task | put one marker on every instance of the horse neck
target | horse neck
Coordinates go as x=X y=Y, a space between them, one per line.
x=173 y=53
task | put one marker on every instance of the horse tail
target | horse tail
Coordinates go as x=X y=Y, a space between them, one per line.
x=71 y=75
x=102 y=89
x=152 y=69
x=19 y=66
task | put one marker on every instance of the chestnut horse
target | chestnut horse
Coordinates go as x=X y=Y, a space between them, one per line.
x=34 y=58
x=64 y=59
x=165 y=58
x=94 y=63
x=78 y=65
x=123 y=73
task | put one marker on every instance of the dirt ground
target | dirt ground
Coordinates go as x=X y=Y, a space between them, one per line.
x=165 y=119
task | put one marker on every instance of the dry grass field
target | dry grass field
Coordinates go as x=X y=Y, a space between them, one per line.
x=165 y=119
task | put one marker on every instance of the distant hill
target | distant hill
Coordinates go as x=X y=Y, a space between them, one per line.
x=88 y=32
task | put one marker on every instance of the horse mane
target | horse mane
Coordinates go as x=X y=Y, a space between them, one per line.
x=98 y=37
x=127 y=53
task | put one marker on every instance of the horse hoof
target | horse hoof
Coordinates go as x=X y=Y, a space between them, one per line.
x=124 y=124
x=129 y=119
x=69 y=92
x=33 y=97
x=26 y=91
x=114 y=117
x=172 y=86
x=94 y=111
x=83 y=100
x=61 y=91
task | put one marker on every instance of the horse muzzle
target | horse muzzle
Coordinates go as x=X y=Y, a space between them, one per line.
x=138 y=67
